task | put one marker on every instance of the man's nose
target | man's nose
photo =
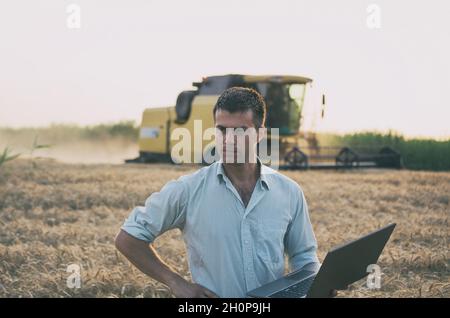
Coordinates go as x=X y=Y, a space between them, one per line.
x=229 y=136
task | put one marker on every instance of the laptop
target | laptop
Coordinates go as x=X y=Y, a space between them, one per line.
x=343 y=265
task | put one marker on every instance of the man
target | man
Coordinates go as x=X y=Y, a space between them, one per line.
x=238 y=218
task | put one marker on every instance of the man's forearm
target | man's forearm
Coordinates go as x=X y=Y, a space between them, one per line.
x=144 y=257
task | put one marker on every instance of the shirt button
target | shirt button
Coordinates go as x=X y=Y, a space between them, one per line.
x=246 y=242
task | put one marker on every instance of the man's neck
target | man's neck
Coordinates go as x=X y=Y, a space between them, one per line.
x=242 y=173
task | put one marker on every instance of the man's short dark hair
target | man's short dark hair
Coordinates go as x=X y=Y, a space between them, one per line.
x=242 y=99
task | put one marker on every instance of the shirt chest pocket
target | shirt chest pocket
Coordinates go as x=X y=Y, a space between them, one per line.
x=270 y=240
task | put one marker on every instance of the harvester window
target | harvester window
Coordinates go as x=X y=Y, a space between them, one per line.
x=184 y=105
x=296 y=91
x=284 y=106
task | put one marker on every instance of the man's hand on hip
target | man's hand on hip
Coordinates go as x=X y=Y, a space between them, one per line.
x=184 y=289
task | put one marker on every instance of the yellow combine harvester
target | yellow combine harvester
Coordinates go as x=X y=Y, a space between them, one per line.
x=284 y=96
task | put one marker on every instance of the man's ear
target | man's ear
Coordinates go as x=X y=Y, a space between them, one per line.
x=261 y=133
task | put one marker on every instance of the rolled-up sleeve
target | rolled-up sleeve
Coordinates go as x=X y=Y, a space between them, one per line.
x=300 y=242
x=163 y=210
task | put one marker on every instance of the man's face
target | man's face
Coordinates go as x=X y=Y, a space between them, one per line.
x=236 y=136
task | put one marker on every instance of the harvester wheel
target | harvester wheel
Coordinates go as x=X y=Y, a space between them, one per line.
x=346 y=157
x=296 y=159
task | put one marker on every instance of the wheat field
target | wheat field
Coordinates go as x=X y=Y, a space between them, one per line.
x=54 y=214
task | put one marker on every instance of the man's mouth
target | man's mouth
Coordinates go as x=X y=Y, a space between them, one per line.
x=231 y=151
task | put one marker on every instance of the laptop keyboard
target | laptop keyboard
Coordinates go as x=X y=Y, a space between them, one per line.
x=297 y=290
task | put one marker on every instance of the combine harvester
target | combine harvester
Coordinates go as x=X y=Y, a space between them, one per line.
x=285 y=98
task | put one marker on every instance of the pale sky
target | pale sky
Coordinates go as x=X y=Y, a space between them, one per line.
x=129 y=55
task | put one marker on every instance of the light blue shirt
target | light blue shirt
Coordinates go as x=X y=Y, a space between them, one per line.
x=231 y=248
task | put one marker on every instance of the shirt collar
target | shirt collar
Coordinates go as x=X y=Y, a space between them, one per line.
x=263 y=172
